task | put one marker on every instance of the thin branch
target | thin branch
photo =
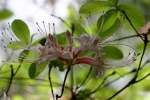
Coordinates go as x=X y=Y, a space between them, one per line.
x=144 y=49
x=50 y=82
x=128 y=19
x=132 y=81
x=64 y=82
x=120 y=90
x=11 y=79
x=142 y=78
x=123 y=38
x=17 y=69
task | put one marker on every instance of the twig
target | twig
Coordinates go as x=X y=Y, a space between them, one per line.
x=50 y=82
x=142 y=78
x=17 y=69
x=128 y=19
x=130 y=83
x=123 y=38
x=63 y=86
x=11 y=79
x=144 y=49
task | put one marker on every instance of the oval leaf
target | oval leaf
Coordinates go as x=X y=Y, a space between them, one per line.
x=95 y=7
x=32 y=71
x=107 y=20
x=61 y=38
x=111 y=30
x=134 y=14
x=112 y=52
x=5 y=13
x=21 y=30
x=40 y=67
x=35 y=69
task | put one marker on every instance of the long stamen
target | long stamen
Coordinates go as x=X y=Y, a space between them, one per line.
x=45 y=28
x=39 y=28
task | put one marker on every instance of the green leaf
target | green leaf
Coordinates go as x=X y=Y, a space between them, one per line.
x=74 y=21
x=21 y=30
x=111 y=30
x=36 y=68
x=108 y=23
x=61 y=38
x=16 y=45
x=79 y=28
x=40 y=67
x=32 y=71
x=112 y=52
x=5 y=13
x=134 y=14
x=95 y=7
x=91 y=29
x=107 y=20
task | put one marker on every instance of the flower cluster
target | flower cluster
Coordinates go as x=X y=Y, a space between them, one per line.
x=71 y=55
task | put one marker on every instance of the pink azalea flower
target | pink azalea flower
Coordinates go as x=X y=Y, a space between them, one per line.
x=71 y=55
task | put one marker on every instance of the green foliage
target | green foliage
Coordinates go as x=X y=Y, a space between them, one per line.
x=109 y=19
x=97 y=18
x=134 y=14
x=95 y=7
x=61 y=38
x=5 y=13
x=36 y=68
x=108 y=23
x=112 y=52
x=32 y=70
x=21 y=30
x=75 y=22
